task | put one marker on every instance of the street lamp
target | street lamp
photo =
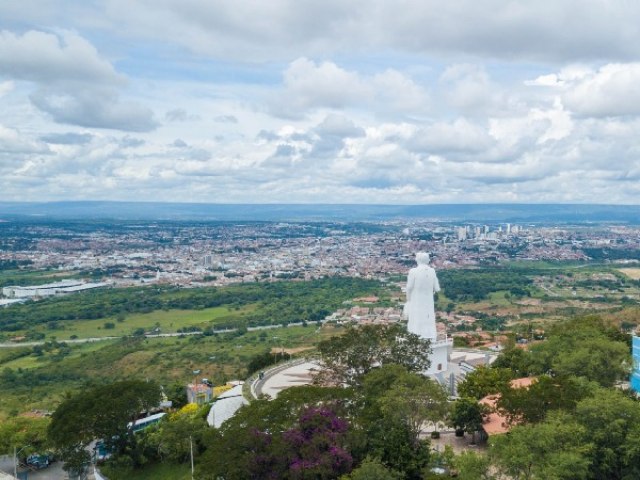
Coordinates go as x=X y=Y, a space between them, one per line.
x=15 y=459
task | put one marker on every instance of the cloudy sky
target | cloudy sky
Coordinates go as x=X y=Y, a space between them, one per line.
x=332 y=101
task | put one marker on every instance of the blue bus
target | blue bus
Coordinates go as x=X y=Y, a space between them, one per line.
x=101 y=452
x=146 y=422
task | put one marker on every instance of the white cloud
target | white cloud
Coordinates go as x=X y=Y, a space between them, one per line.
x=288 y=101
x=550 y=80
x=308 y=85
x=460 y=135
x=94 y=108
x=12 y=141
x=74 y=84
x=545 y=30
x=612 y=90
x=467 y=87
x=5 y=88
x=48 y=59
x=399 y=92
x=339 y=126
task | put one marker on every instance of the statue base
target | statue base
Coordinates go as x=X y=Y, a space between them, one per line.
x=440 y=351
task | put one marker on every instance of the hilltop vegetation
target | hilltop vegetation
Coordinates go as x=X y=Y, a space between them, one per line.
x=275 y=303
x=580 y=359
x=570 y=423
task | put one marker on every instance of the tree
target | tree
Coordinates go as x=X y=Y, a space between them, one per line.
x=612 y=421
x=251 y=443
x=471 y=466
x=347 y=358
x=467 y=415
x=631 y=452
x=415 y=400
x=554 y=449
x=394 y=444
x=19 y=432
x=517 y=360
x=176 y=393
x=597 y=359
x=545 y=394
x=583 y=347
x=101 y=412
x=372 y=469
x=484 y=381
x=388 y=424
x=173 y=438
x=315 y=448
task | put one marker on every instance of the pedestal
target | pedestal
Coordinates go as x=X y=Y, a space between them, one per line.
x=440 y=351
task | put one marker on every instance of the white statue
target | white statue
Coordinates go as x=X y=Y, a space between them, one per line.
x=422 y=283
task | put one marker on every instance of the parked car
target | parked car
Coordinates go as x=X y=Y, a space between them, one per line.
x=38 y=461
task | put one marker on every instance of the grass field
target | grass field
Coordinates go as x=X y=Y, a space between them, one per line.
x=169 y=321
x=33 y=277
x=44 y=379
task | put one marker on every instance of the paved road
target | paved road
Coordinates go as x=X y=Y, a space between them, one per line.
x=54 y=472
x=100 y=339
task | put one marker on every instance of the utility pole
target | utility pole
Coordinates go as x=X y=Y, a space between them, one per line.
x=191 y=445
x=15 y=459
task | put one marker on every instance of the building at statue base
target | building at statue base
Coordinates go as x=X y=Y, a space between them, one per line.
x=441 y=349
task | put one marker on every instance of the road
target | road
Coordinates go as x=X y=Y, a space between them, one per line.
x=54 y=472
x=156 y=335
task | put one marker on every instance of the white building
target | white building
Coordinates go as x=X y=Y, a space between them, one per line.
x=58 y=288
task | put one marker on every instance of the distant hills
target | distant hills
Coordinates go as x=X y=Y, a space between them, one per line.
x=513 y=213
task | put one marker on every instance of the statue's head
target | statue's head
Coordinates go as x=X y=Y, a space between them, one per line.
x=422 y=258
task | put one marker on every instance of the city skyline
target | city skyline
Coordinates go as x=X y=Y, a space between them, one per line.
x=333 y=102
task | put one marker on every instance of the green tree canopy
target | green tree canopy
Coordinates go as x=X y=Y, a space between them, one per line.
x=101 y=412
x=583 y=347
x=613 y=422
x=545 y=394
x=372 y=469
x=484 y=381
x=467 y=415
x=347 y=358
x=20 y=432
x=554 y=449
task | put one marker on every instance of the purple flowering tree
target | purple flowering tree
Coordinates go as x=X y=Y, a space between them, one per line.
x=315 y=448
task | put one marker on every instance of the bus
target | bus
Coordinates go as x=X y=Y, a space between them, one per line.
x=145 y=422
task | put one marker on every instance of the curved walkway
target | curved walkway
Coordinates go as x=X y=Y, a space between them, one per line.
x=291 y=374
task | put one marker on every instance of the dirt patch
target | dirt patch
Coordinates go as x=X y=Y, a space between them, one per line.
x=528 y=301
x=632 y=273
x=290 y=351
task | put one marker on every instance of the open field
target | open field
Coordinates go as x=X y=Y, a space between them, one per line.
x=38 y=377
x=632 y=273
x=41 y=380
x=168 y=321
x=31 y=277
